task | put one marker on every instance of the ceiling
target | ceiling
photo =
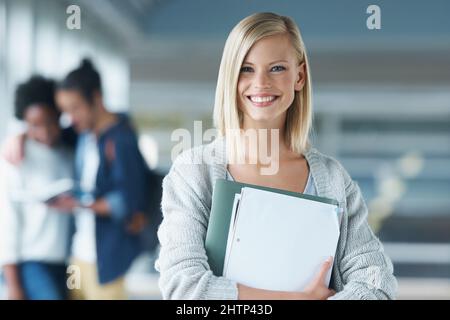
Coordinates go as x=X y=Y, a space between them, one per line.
x=169 y=38
x=343 y=21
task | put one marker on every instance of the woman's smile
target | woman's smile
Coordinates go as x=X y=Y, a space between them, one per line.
x=262 y=100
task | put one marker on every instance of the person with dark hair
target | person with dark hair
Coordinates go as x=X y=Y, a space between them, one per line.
x=112 y=186
x=34 y=238
x=37 y=90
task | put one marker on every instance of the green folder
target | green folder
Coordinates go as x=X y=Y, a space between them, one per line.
x=219 y=219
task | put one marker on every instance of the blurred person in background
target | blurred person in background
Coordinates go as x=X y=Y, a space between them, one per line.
x=34 y=238
x=117 y=193
x=113 y=187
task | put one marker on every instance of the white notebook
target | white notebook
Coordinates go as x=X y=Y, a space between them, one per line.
x=45 y=194
x=279 y=242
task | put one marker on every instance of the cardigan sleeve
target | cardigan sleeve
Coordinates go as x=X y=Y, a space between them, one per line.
x=366 y=271
x=182 y=262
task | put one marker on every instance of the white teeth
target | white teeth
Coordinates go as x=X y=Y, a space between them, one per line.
x=262 y=99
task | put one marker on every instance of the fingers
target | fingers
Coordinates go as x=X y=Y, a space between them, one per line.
x=64 y=203
x=322 y=274
x=327 y=294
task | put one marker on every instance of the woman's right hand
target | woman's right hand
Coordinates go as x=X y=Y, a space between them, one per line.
x=316 y=289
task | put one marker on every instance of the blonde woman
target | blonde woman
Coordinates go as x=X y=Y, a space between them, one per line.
x=264 y=85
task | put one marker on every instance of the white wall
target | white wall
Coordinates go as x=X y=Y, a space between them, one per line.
x=3 y=108
x=34 y=39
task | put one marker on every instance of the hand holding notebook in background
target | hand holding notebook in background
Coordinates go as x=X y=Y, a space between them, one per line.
x=47 y=194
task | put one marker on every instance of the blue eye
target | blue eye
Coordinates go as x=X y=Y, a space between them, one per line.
x=246 y=69
x=278 y=68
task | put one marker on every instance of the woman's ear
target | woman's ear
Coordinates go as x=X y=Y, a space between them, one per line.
x=301 y=77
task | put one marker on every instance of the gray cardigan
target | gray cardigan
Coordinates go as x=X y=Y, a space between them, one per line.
x=361 y=269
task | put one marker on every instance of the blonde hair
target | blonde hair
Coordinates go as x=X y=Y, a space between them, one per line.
x=243 y=36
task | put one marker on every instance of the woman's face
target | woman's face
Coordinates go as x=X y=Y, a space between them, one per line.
x=269 y=77
x=42 y=124
x=81 y=113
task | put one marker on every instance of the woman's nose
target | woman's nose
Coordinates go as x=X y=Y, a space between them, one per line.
x=262 y=80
